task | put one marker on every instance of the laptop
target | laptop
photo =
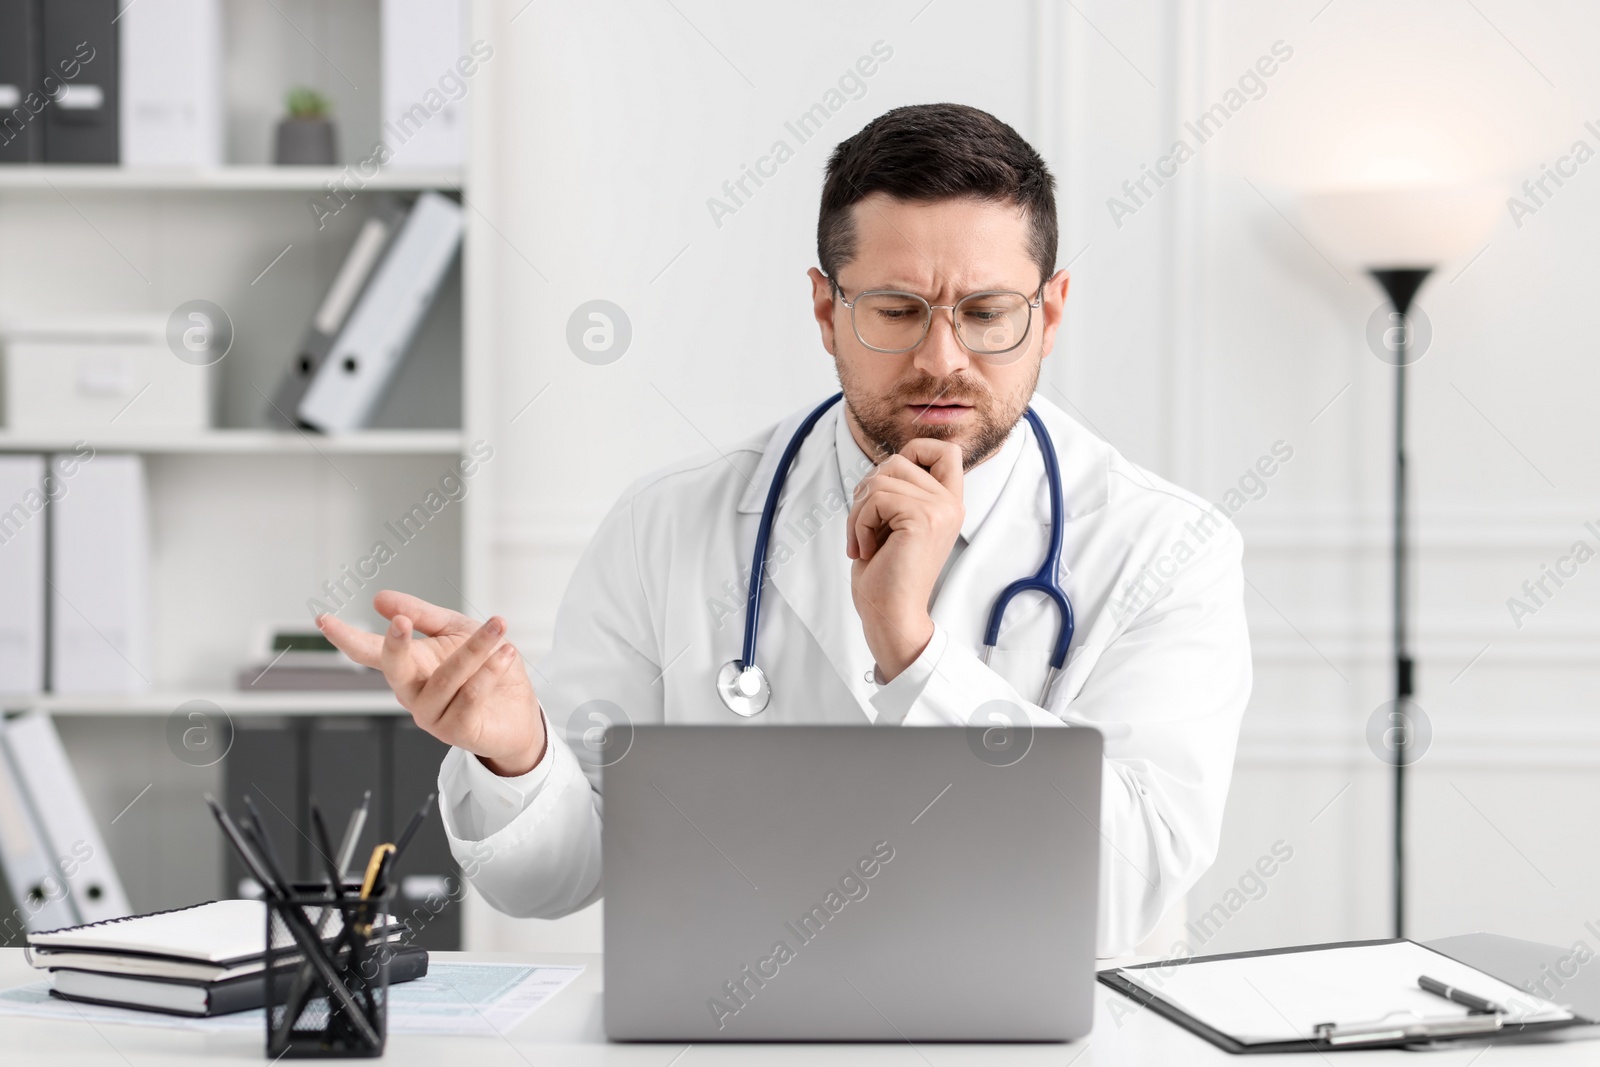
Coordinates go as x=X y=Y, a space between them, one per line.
x=848 y=883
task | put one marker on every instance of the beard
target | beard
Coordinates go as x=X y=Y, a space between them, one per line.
x=882 y=417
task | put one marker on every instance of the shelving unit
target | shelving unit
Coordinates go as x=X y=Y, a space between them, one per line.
x=250 y=521
x=235 y=702
x=239 y=178
x=240 y=442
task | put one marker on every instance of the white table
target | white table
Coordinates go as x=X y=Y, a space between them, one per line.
x=568 y=1030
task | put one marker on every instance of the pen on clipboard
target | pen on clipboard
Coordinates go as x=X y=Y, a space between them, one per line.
x=1467 y=1000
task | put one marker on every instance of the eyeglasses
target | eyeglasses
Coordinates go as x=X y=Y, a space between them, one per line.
x=992 y=323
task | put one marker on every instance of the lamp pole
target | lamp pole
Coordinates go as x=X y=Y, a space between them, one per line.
x=1401 y=285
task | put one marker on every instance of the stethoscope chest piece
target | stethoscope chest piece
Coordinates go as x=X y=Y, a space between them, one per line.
x=744 y=690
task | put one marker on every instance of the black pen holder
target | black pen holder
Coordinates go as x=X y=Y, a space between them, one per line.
x=332 y=1001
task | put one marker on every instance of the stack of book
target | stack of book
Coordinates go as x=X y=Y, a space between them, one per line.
x=292 y=657
x=204 y=960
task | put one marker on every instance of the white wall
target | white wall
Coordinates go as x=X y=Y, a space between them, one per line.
x=1499 y=449
x=1201 y=331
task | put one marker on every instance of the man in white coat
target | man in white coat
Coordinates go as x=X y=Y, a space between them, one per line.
x=908 y=508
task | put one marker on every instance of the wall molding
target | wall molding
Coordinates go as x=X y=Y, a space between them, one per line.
x=1557 y=741
x=1441 y=654
x=1477 y=526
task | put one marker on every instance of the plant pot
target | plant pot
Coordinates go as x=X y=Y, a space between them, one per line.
x=305 y=142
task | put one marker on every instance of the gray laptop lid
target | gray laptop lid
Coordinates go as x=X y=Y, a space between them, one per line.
x=851 y=883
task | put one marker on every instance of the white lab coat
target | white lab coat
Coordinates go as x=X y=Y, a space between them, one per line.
x=1160 y=662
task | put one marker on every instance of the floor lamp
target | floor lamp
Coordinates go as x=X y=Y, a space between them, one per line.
x=1401 y=285
x=1399 y=235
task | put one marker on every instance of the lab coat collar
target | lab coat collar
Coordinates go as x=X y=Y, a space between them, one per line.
x=755 y=494
x=981 y=485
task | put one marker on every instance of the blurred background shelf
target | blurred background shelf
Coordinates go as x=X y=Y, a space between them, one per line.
x=241 y=178
x=232 y=701
x=252 y=526
x=239 y=442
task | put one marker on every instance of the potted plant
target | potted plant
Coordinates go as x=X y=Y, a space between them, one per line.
x=305 y=137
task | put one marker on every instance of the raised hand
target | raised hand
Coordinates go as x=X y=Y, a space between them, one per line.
x=463 y=683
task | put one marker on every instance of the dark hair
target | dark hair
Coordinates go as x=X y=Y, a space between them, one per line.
x=935 y=152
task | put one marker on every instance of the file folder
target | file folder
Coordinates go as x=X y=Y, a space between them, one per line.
x=61 y=813
x=21 y=83
x=171 y=92
x=22 y=561
x=80 y=49
x=364 y=255
x=362 y=362
x=424 y=92
x=30 y=870
x=100 y=577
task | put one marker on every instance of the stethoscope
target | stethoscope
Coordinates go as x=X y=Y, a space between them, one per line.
x=743 y=685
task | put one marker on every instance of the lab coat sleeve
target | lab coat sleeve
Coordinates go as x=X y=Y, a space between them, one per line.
x=477 y=802
x=1167 y=692
x=531 y=845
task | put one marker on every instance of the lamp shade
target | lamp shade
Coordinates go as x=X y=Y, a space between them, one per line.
x=1386 y=227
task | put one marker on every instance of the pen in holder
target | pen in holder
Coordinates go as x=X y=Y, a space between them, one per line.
x=335 y=1006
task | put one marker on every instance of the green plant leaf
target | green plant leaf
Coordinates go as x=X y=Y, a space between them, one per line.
x=306 y=103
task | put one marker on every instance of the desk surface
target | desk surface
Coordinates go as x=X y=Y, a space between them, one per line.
x=567 y=1030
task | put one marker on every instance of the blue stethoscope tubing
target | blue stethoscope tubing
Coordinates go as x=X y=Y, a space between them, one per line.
x=743 y=685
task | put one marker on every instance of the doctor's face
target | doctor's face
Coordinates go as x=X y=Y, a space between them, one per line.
x=941 y=251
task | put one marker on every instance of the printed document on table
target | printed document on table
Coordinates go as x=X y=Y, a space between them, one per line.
x=474 y=998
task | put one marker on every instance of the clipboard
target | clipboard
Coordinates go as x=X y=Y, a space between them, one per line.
x=1375 y=1031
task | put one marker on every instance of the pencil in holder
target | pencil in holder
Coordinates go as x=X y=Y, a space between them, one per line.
x=337 y=1003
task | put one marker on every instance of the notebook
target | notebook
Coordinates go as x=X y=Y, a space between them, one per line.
x=1282 y=1000
x=215 y=941
x=177 y=997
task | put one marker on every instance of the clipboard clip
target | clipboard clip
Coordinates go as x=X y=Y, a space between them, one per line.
x=1407 y=1027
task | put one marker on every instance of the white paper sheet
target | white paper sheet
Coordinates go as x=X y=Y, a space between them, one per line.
x=1283 y=997
x=454 y=998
